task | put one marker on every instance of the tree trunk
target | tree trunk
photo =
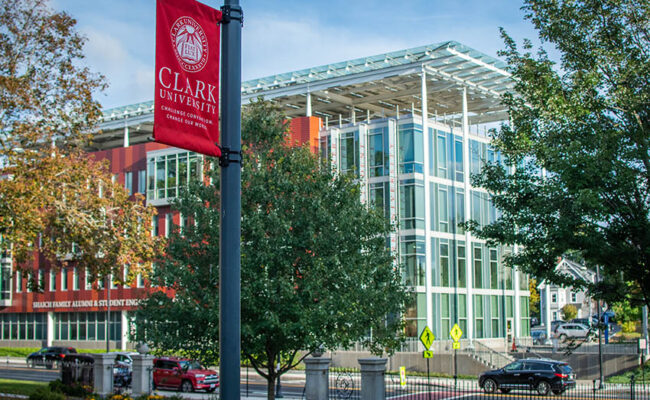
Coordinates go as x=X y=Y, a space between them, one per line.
x=270 y=386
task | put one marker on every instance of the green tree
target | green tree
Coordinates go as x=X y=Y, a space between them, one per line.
x=534 y=297
x=54 y=199
x=569 y=312
x=577 y=179
x=316 y=270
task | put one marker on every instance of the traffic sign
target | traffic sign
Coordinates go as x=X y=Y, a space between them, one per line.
x=455 y=345
x=456 y=332
x=427 y=354
x=426 y=337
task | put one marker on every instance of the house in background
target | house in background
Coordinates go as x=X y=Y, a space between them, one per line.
x=553 y=297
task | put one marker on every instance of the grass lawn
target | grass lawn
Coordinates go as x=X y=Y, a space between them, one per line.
x=19 y=387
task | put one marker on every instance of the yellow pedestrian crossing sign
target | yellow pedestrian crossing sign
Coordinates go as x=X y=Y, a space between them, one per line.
x=426 y=337
x=456 y=333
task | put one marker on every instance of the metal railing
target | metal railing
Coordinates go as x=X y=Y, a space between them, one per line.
x=488 y=356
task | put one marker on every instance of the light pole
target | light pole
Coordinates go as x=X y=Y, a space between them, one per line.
x=108 y=313
x=600 y=335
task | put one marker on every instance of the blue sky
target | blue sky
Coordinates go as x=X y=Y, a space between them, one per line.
x=282 y=36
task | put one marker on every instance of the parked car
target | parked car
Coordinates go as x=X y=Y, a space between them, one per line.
x=122 y=369
x=583 y=321
x=540 y=375
x=183 y=374
x=538 y=334
x=572 y=331
x=49 y=356
x=555 y=324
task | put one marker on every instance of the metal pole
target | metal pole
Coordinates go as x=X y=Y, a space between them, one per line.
x=600 y=335
x=229 y=246
x=108 y=313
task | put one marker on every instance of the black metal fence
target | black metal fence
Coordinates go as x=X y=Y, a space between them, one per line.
x=423 y=388
x=344 y=384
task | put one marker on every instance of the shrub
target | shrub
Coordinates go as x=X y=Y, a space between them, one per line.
x=569 y=312
x=628 y=327
x=44 y=393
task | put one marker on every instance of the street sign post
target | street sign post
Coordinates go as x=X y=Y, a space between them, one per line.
x=427 y=338
x=456 y=334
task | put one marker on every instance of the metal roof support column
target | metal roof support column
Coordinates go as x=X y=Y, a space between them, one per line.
x=469 y=254
x=126 y=133
x=353 y=116
x=308 y=111
x=428 y=272
x=397 y=111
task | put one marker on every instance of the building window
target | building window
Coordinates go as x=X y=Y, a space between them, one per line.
x=494 y=269
x=445 y=316
x=378 y=152
x=525 y=316
x=380 y=198
x=19 y=282
x=478 y=317
x=79 y=326
x=64 y=279
x=30 y=326
x=169 y=224
x=415 y=315
x=411 y=148
x=349 y=153
x=139 y=283
x=553 y=297
x=52 y=280
x=155 y=231
x=461 y=268
x=444 y=263
x=41 y=280
x=167 y=174
x=494 y=313
x=142 y=181
x=113 y=283
x=128 y=182
x=75 y=279
x=88 y=283
x=478 y=266
x=443 y=208
x=441 y=155
x=412 y=204
x=414 y=260
x=574 y=297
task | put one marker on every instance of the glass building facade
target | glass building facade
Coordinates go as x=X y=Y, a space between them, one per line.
x=424 y=187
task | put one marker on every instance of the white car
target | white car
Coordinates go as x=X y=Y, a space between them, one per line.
x=572 y=331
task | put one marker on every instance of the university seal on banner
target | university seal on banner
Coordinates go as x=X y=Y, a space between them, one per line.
x=190 y=44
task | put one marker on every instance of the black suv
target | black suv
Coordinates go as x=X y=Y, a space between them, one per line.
x=49 y=356
x=530 y=374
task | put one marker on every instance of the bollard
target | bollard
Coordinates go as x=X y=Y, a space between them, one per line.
x=103 y=373
x=632 y=394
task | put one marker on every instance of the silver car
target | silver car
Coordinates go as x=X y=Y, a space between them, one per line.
x=572 y=331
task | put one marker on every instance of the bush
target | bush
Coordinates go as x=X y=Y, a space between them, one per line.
x=70 y=390
x=569 y=312
x=44 y=393
x=628 y=327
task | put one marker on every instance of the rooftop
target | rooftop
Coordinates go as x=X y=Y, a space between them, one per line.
x=384 y=85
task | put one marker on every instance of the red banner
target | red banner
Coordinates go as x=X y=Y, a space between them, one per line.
x=186 y=105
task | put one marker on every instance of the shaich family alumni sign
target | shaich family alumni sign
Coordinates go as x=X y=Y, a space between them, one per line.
x=186 y=105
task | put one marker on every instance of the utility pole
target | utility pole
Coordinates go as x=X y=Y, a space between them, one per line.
x=229 y=246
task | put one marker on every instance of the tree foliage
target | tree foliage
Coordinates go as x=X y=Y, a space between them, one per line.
x=534 y=297
x=316 y=271
x=569 y=312
x=579 y=146
x=53 y=197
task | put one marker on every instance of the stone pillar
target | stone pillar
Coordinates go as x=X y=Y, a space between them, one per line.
x=103 y=373
x=317 y=377
x=142 y=370
x=373 y=385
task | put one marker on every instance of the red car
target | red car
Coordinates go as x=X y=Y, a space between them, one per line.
x=183 y=374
